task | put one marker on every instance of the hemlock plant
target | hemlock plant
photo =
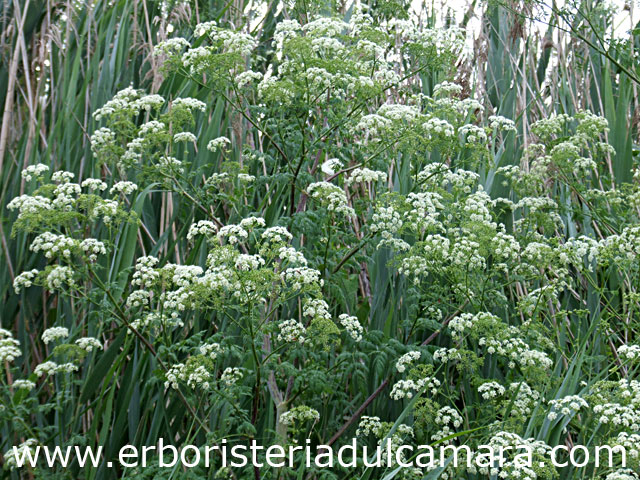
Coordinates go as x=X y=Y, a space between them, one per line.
x=355 y=186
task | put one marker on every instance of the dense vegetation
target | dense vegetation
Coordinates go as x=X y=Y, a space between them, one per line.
x=302 y=220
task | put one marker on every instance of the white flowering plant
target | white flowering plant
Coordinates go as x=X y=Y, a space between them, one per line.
x=325 y=239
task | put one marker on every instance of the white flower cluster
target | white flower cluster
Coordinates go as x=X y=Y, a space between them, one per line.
x=299 y=414
x=506 y=247
x=447 y=89
x=54 y=333
x=171 y=46
x=526 y=398
x=631 y=441
x=437 y=127
x=59 y=276
x=386 y=221
x=220 y=143
x=301 y=277
x=232 y=42
x=183 y=275
x=622 y=474
x=186 y=137
x=190 y=104
x=24 y=280
x=291 y=331
x=45 y=368
x=292 y=256
x=27 y=204
x=62 y=176
x=94 y=184
x=89 y=344
x=34 y=171
x=407 y=388
x=446 y=418
x=461 y=324
x=404 y=389
x=424 y=208
x=440 y=175
x=365 y=175
x=49 y=368
x=52 y=245
x=331 y=196
x=245 y=262
x=285 y=29
x=198 y=377
x=93 y=248
x=331 y=166
x=23 y=385
x=249 y=223
x=618 y=415
x=550 y=126
x=373 y=126
x=399 y=112
x=233 y=234
x=174 y=375
x=566 y=406
x=125 y=188
x=445 y=355
x=369 y=425
x=205 y=28
x=150 y=102
x=138 y=298
x=128 y=102
x=156 y=320
x=9 y=350
x=319 y=79
x=248 y=77
x=352 y=326
x=407 y=359
x=629 y=352
x=196 y=59
x=498 y=122
x=195 y=377
x=65 y=195
x=316 y=308
x=107 y=209
x=478 y=208
x=12 y=455
x=202 y=227
x=101 y=141
x=491 y=390
x=231 y=375
x=511 y=467
x=276 y=235
x=145 y=273
x=170 y=166
x=517 y=351
x=211 y=350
